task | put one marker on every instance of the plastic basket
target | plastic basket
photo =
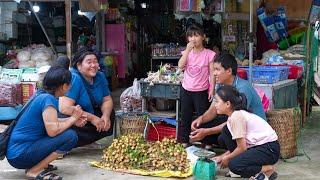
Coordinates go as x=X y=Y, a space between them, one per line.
x=242 y=73
x=268 y=74
x=132 y=123
x=158 y=131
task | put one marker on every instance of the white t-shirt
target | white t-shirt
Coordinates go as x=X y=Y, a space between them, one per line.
x=253 y=128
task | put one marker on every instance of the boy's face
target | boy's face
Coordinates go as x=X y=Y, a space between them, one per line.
x=221 y=74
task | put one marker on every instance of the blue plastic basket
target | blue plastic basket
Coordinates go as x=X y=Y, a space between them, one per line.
x=269 y=74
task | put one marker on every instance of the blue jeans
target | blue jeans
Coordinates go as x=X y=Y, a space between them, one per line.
x=42 y=148
x=250 y=162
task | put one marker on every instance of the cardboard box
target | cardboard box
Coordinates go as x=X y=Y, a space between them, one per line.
x=28 y=89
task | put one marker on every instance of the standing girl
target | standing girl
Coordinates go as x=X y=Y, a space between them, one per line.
x=252 y=144
x=198 y=82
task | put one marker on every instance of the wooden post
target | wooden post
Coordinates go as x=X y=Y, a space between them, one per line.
x=68 y=28
x=305 y=90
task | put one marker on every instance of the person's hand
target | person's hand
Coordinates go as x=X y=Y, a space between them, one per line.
x=82 y=121
x=107 y=122
x=196 y=123
x=197 y=135
x=218 y=159
x=190 y=46
x=98 y=123
x=77 y=112
x=224 y=162
x=210 y=95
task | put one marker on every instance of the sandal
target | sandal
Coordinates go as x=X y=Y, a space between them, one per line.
x=50 y=168
x=45 y=175
x=259 y=176
x=232 y=175
x=273 y=176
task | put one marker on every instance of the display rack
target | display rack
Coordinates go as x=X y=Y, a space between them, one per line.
x=161 y=90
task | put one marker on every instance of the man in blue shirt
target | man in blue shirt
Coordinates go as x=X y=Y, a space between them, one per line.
x=206 y=128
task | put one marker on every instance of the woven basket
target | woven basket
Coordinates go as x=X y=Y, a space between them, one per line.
x=132 y=123
x=286 y=123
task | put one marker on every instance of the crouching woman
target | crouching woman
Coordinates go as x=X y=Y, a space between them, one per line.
x=39 y=137
x=252 y=144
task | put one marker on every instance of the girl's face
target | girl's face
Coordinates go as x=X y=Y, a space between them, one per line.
x=221 y=106
x=196 y=39
x=89 y=66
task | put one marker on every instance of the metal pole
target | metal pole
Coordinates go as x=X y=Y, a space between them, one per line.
x=251 y=41
x=43 y=29
x=68 y=28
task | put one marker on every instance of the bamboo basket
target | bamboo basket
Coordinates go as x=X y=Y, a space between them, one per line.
x=286 y=123
x=132 y=123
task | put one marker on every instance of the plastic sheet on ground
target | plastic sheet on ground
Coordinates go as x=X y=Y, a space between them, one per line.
x=160 y=173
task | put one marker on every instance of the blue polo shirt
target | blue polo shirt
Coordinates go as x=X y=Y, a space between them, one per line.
x=30 y=127
x=78 y=92
x=254 y=103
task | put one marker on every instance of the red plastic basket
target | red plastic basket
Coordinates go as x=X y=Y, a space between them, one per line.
x=242 y=73
x=160 y=131
x=295 y=71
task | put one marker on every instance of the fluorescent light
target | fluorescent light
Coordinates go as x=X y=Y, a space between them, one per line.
x=80 y=13
x=36 y=8
x=144 y=5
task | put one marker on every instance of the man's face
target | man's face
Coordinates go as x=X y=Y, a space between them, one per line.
x=221 y=74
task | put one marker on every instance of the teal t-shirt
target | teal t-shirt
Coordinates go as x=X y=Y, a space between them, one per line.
x=30 y=127
x=254 y=103
x=78 y=92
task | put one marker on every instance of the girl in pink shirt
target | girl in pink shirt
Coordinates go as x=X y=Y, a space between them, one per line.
x=252 y=144
x=198 y=83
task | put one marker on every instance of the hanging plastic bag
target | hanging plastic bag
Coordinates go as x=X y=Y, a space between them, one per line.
x=264 y=99
x=130 y=99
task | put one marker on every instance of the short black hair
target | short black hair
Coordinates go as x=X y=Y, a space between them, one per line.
x=229 y=93
x=80 y=55
x=194 y=30
x=228 y=61
x=55 y=78
x=62 y=61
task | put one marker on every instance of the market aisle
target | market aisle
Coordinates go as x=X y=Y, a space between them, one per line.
x=75 y=166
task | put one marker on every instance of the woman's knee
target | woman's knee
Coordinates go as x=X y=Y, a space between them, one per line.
x=70 y=136
x=234 y=167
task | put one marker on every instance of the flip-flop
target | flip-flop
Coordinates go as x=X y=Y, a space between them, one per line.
x=259 y=176
x=45 y=175
x=273 y=176
x=50 y=168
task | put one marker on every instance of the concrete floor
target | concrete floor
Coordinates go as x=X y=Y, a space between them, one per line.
x=76 y=165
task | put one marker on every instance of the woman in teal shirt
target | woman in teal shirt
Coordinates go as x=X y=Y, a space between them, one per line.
x=89 y=89
x=39 y=136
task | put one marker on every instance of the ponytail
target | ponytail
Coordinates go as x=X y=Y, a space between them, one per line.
x=229 y=93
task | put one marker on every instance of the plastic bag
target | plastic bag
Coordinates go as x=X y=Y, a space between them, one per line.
x=130 y=99
x=24 y=56
x=264 y=99
x=10 y=94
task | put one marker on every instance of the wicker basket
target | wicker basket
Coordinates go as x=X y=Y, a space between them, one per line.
x=286 y=122
x=132 y=123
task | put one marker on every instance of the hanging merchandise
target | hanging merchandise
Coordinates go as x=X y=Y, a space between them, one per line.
x=185 y=5
x=281 y=29
x=282 y=14
x=271 y=30
x=315 y=11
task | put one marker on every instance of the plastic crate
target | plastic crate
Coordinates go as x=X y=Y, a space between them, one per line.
x=242 y=73
x=160 y=130
x=269 y=74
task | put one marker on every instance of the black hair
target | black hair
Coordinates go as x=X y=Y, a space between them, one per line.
x=194 y=30
x=80 y=55
x=228 y=61
x=55 y=78
x=62 y=61
x=237 y=100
